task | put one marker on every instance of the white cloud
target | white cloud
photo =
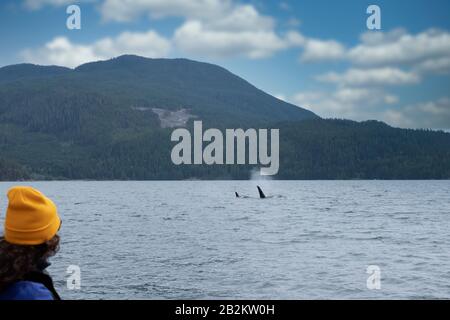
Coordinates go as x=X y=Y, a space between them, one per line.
x=396 y=118
x=399 y=47
x=368 y=103
x=211 y=28
x=428 y=51
x=431 y=114
x=240 y=18
x=437 y=108
x=374 y=38
x=316 y=50
x=437 y=65
x=37 y=4
x=222 y=28
x=210 y=25
x=127 y=10
x=381 y=59
x=353 y=103
x=243 y=31
x=376 y=76
x=218 y=28
x=61 y=51
x=391 y=99
x=195 y=37
x=149 y=44
x=295 y=39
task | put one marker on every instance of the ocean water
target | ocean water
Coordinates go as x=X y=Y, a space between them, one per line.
x=196 y=240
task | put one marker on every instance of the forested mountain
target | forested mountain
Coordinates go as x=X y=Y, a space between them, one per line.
x=343 y=149
x=112 y=120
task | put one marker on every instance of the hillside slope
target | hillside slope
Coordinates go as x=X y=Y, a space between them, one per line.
x=113 y=119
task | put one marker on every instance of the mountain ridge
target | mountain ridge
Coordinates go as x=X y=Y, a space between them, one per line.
x=113 y=119
x=209 y=90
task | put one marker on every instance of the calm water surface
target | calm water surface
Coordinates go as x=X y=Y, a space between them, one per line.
x=195 y=240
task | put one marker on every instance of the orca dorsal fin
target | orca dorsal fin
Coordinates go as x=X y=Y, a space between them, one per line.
x=261 y=193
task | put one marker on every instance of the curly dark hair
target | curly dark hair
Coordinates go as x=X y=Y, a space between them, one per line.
x=16 y=261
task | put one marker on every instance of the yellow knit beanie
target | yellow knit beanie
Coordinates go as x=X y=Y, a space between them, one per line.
x=31 y=217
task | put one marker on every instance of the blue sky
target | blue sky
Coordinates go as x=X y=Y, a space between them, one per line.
x=315 y=53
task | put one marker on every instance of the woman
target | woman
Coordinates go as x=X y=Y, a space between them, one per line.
x=30 y=238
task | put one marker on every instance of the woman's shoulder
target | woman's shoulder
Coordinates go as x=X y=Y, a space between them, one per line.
x=26 y=290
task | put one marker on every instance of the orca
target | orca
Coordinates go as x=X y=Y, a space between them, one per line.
x=237 y=194
x=261 y=193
